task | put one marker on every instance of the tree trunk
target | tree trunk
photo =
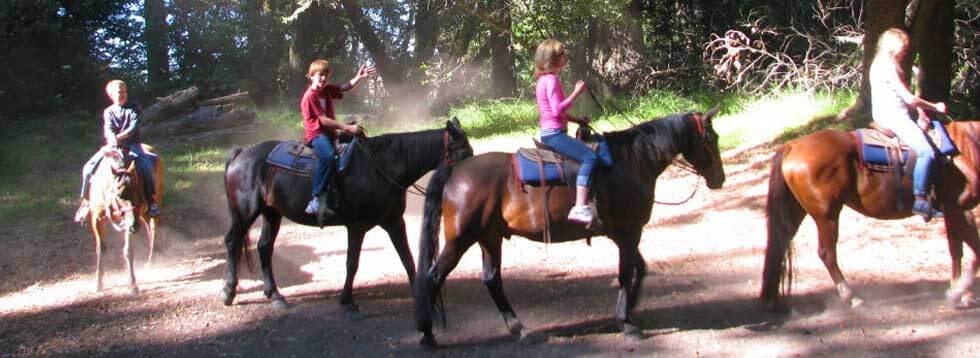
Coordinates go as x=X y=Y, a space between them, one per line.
x=504 y=83
x=616 y=52
x=931 y=30
x=262 y=62
x=155 y=38
x=426 y=30
x=301 y=54
x=391 y=73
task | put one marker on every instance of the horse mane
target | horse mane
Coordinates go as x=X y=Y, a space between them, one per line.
x=655 y=140
x=966 y=135
x=404 y=147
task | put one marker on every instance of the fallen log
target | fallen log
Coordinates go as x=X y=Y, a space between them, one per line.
x=168 y=106
x=237 y=98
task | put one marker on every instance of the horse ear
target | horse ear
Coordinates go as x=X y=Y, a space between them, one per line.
x=712 y=112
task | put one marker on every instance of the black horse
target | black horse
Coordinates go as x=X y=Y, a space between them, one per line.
x=372 y=192
x=479 y=203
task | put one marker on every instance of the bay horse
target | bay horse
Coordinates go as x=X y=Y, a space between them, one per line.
x=372 y=192
x=116 y=197
x=479 y=201
x=819 y=173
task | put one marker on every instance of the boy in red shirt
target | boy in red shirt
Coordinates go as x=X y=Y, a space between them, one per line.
x=321 y=125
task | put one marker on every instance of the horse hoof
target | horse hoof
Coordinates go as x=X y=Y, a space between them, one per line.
x=279 y=304
x=958 y=299
x=856 y=302
x=229 y=296
x=777 y=307
x=352 y=313
x=134 y=291
x=632 y=332
x=515 y=326
x=428 y=342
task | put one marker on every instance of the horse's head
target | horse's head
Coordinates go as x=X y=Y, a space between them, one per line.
x=703 y=151
x=457 y=144
x=119 y=209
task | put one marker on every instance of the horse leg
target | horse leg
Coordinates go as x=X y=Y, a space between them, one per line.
x=632 y=269
x=495 y=284
x=270 y=229
x=234 y=246
x=399 y=239
x=959 y=229
x=436 y=277
x=355 y=239
x=150 y=224
x=98 y=230
x=827 y=229
x=128 y=257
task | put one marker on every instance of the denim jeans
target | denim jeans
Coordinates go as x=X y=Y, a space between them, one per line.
x=909 y=132
x=324 y=148
x=573 y=148
x=144 y=166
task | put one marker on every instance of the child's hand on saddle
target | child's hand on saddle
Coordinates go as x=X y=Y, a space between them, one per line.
x=354 y=129
x=940 y=107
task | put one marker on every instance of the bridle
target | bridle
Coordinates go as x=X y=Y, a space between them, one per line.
x=419 y=190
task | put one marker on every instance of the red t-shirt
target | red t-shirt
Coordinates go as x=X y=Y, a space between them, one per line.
x=315 y=104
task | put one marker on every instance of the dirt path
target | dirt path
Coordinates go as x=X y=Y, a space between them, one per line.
x=704 y=258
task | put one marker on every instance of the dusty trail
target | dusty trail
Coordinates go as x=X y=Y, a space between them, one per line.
x=705 y=261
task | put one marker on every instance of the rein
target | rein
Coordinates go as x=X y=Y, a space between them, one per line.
x=419 y=190
x=677 y=162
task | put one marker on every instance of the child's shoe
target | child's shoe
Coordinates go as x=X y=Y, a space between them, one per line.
x=153 y=210
x=313 y=207
x=581 y=214
x=922 y=208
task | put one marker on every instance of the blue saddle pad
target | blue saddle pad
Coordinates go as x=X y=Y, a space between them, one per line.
x=300 y=159
x=529 y=172
x=878 y=150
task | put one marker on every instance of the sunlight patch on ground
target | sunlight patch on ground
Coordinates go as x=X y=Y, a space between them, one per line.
x=764 y=120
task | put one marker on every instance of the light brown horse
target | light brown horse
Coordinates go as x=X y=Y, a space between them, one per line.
x=819 y=173
x=116 y=197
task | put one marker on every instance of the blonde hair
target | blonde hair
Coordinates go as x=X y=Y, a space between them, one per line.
x=891 y=42
x=115 y=84
x=318 y=66
x=547 y=58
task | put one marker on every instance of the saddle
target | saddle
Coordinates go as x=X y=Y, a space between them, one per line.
x=881 y=151
x=299 y=159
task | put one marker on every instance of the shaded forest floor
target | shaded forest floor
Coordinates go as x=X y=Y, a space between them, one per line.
x=704 y=259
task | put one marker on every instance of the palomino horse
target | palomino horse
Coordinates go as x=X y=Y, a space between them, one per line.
x=480 y=201
x=372 y=192
x=819 y=173
x=116 y=197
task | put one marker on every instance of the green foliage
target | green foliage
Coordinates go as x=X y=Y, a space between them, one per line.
x=483 y=119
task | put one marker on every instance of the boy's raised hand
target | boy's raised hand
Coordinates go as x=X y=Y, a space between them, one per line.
x=366 y=71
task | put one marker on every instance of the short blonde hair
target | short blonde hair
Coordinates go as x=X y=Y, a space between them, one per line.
x=115 y=84
x=547 y=58
x=318 y=66
x=891 y=42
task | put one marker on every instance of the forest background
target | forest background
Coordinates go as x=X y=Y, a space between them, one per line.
x=434 y=55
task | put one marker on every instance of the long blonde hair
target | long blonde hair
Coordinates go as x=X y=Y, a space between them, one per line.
x=547 y=58
x=891 y=42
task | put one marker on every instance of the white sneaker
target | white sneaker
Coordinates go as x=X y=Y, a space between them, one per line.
x=313 y=207
x=581 y=214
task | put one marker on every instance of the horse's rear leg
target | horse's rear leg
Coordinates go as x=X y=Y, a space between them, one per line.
x=150 y=224
x=495 y=284
x=827 y=229
x=235 y=242
x=355 y=240
x=270 y=229
x=98 y=229
x=436 y=277
x=632 y=269
x=961 y=229
x=128 y=256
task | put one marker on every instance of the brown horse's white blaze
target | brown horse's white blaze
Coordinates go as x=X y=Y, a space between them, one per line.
x=116 y=197
x=819 y=173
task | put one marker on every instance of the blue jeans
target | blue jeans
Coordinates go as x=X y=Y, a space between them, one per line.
x=324 y=148
x=578 y=151
x=144 y=166
x=909 y=132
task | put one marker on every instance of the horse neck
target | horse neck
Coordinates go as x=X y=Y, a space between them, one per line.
x=408 y=156
x=646 y=154
x=966 y=136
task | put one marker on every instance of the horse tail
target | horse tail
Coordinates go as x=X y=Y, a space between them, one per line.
x=426 y=303
x=783 y=217
x=243 y=247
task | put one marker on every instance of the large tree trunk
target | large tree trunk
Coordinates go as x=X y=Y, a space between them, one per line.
x=931 y=29
x=504 y=83
x=155 y=38
x=426 y=30
x=615 y=52
x=262 y=62
x=301 y=53
x=391 y=73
